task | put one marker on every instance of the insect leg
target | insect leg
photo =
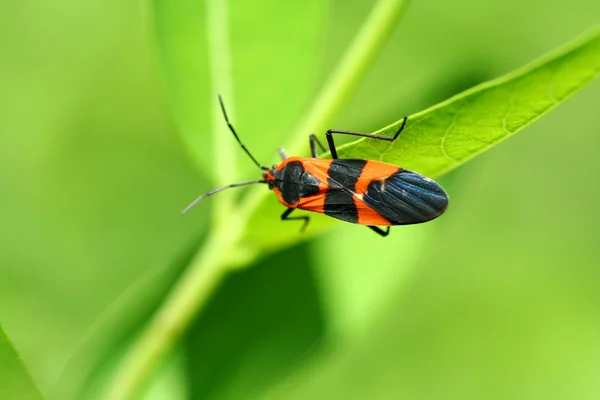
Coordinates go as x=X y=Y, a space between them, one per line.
x=380 y=231
x=333 y=150
x=313 y=148
x=285 y=217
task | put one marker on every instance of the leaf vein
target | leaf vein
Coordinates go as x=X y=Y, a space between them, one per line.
x=445 y=136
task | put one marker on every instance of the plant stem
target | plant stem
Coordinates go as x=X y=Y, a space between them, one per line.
x=337 y=91
x=219 y=55
x=208 y=268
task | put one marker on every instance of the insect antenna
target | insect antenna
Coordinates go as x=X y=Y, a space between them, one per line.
x=200 y=198
x=237 y=137
x=231 y=128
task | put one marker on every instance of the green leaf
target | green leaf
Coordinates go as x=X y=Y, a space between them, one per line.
x=446 y=135
x=15 y=382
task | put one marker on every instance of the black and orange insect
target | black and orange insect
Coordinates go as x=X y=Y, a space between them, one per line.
x=365 y=192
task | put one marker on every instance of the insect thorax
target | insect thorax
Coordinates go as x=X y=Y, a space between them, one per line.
x=293 y=182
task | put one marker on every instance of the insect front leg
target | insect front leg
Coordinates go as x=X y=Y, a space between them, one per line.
x=380 y=231
x=333 y=150
x=313 y=140
x=285 y=217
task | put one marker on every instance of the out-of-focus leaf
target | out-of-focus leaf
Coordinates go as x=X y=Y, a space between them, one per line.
x=448 y=134
x=15 y=382
x=93 y=179
x=274 y=67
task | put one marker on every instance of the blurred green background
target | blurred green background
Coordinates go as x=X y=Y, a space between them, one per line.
x=497 y=299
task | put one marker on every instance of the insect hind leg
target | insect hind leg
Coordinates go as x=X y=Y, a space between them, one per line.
x=285 y=217
x=332 y=148
x=380 y=231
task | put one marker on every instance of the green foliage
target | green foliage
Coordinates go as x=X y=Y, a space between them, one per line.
x=438 y=139
x=497 y=299
x=15 y=382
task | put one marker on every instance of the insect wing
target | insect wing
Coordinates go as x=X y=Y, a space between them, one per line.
x=406 y=197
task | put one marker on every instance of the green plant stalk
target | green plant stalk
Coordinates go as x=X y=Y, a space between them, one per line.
x=208 y=268
x=354 y=64
x=187 y=297
x=217 y=29
x=15 y=380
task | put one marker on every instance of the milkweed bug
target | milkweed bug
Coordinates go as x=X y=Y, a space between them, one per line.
x=365 y=192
